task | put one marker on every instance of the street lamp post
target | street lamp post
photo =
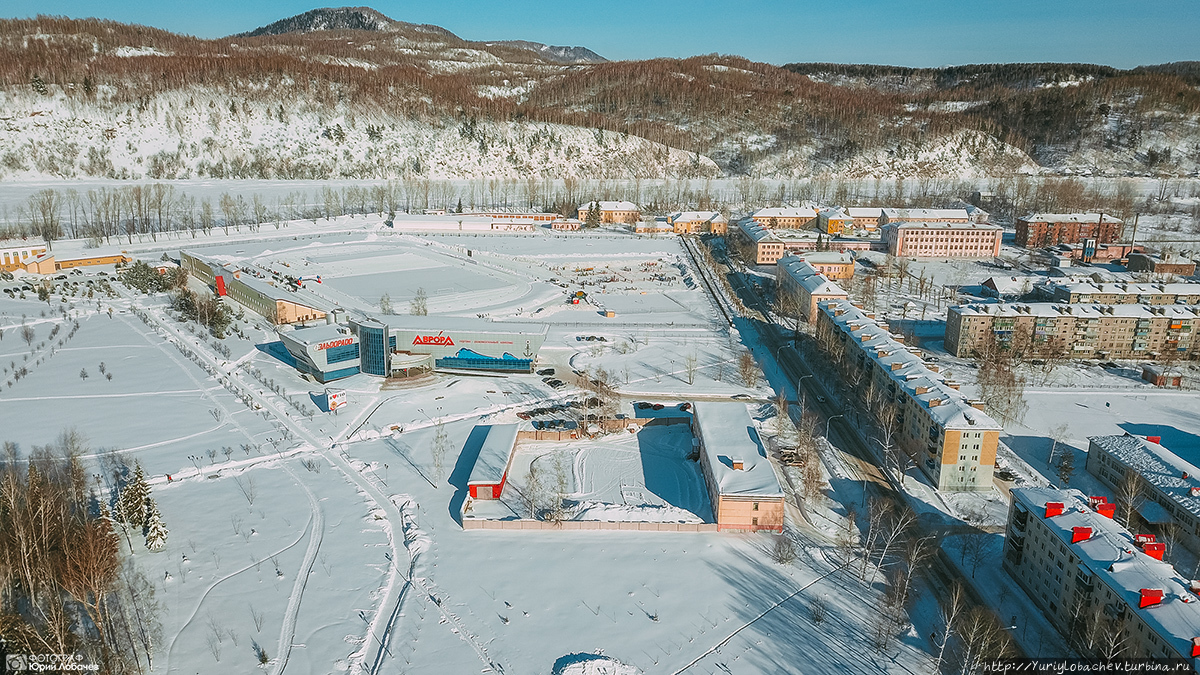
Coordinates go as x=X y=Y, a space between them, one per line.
x=827 y=421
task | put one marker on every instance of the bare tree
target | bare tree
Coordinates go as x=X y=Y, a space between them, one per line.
x=974 y=550
x=441 y=444
x=1129 y=495
x=748 y=370
x=951 y=608
x=689 y=367
x=28 y=334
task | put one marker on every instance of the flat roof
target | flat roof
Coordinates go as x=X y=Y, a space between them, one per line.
x=321 y=333
x=494 y=452
x=610 y=206
x=826 y=257
x=1111 y=554
x=688 y=216
x=727 y=433
x=1124 y=288
x=459 y=323
x=865 y=211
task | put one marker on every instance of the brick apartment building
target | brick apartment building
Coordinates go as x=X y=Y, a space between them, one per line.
x=943 y=239
x=805 y=286
x=1048 y=229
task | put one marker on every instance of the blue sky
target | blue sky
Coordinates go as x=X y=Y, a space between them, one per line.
x=901 y=32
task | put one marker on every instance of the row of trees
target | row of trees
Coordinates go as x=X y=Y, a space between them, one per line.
x=66 y=586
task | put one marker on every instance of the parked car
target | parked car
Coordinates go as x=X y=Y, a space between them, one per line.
x=524 y=415
x=546 y=371
x=658 y=406
x=643 y=405
x=685 y=406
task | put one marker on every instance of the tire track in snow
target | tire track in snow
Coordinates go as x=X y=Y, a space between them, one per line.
x=287 y=631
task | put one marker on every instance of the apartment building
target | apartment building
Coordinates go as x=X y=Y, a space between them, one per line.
x=1082 y=292
x=1048 y=229
x=1077 y=331
x=923 y=216
x=612 y=212
x=1092 y=578
x=698 y=222
x=943 y=239
x=952 y=440
x=805 y=286
x=1167 y=479
x=837 y=265
x=785 y=218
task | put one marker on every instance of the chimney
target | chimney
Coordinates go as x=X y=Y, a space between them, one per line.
x=1079 y=534
x=1107 y=510
x=1097 y=500
x=1054 y=509
x=1195 y=647
x=737 y=463
x=1150 y=596
x=978 y=405
x=921 y=390
x=1155 y=439
x=1143 y=539
x=935 y=402
x=1155 y=551
x=1195 y=492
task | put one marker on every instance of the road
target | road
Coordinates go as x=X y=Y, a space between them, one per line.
x=855 y=455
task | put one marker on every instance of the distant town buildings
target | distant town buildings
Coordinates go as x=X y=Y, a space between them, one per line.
x=36 y=259
x=771 y=245
x=942 y=239
x=566 y=224
x=1078 y=331
x=612 y=212
x=865 y=218
x=698 y=222
x=1095 y=580
x=742 y=486
x=803 y=286
x=950 y=437
x=1047 y=229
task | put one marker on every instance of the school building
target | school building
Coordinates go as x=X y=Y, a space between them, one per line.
x=742 y=486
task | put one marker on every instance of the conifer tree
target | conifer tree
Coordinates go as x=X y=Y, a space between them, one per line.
x=131 y=504
x=155 y=531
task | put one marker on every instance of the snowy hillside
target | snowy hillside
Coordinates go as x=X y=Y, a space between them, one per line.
x=193 y=133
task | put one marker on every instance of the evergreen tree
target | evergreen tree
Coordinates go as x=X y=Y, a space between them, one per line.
x=459 y=208
x=131 y=504
x=593 y=215
x=155 y=531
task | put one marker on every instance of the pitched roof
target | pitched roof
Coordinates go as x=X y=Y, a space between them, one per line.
x=785 y=212
x=1069 y=218
x=727 y=433
x=611 y=206
x=924 y=214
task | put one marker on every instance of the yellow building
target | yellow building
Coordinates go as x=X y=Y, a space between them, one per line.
x=834 y=222
x=698 y=222
x=16 y=257
x=949 y=437
x=620 y=212
x=786 y=218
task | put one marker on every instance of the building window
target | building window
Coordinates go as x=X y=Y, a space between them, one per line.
x=755 y=506
x=754 y=522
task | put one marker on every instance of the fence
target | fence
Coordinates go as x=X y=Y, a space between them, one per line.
x=479 y=524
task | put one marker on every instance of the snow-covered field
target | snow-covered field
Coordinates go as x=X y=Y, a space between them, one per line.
x=332 y=543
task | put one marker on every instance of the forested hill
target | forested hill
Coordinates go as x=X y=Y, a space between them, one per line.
x=353 y=93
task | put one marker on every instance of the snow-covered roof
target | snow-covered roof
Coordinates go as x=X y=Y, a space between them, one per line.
x=459 y=323
x=754 y=231
x=316 y=334
x=864 y=212
x=1112 y=555
x=1050 y=309
x=694 y=216
x=827 y=257
x=268 y=290
x=1068 y=218
x=1011 y=285
x=1091 y=287
x=925 y=214
x=833 y=213
x=945 y=405
x=785 y=212
x=727 y=433
x=611 y=206
x=1159 y=466
x=494 y=453
x=808 y=277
